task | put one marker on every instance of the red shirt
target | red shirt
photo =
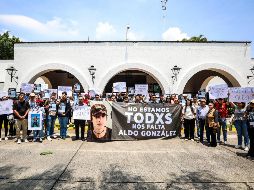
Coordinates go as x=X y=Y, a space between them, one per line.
x=222 y=109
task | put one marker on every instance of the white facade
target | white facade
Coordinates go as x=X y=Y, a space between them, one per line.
x=31 y=59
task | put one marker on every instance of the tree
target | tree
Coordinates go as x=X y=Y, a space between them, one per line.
x=7 y=46
x=200 y=38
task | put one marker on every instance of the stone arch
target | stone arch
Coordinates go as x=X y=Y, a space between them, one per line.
x=42 y=69
x=228 y=74
x=136 y=66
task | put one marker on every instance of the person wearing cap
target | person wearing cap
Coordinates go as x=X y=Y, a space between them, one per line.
x=202 y=111
x=20 y=110
x=78 y=122
x=221 y=107
x=99 y=132
x=63 y=111
x=250 y=124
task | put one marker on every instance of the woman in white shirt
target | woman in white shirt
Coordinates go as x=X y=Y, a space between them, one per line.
x=189 y=113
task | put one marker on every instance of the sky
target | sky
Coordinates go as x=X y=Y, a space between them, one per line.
x=71 y=20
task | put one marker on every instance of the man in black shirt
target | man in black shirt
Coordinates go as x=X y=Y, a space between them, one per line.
x=20 y=110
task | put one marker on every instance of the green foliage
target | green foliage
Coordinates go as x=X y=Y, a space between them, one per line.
x=7 y=46
x=200 y=38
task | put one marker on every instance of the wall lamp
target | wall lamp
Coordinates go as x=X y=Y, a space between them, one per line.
x=251 y=76
x=175 y=70
x=92 y=70
x=12 y=72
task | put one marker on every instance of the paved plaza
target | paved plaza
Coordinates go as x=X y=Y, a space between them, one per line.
x=149 y=164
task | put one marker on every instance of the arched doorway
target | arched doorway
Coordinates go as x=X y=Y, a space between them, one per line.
x=132 y=77
x=55 y=78
x=202 y=79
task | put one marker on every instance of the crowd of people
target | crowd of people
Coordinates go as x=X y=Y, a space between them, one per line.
x=199 y=117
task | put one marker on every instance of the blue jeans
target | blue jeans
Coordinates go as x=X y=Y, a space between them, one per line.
x=223 y=126
x=63 y=126
x=37 y=134
x=51 y=125
x=241 y=127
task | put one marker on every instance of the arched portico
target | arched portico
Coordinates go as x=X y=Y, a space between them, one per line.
x=160 y=79
x=42 y=69
x=229 y=75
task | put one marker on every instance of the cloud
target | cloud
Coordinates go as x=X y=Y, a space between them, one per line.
x=105 y=31
x=56 y=27
x=174 y=34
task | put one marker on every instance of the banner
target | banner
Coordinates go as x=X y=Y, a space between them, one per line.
x=81 y=112
x=35 y=120
x=119 y=87
x=141 y=89
x=218 y=91
x=27 y=88
x=62 y=89
x=12 y=92
x=6 y=107
x=145 y=121
x=239 y=94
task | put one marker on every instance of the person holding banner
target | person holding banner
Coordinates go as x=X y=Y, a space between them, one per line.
x=241 y=125
x=99 y=132
x=212 y=122
x=63 y=110
x=4 y=119
x=78 y=122
x=20 y=110
x=250 y=123
x=221 y=107
x=189 y=113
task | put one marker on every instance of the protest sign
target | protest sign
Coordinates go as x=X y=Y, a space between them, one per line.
x=238 y=94
x=141 y=89
x=12 y=92
x=81 y=112
x=37 y=88
x=119 y=87
x=6 y=107
x=77 y=87
x=131 y=90
x=218 y=91
x=138 y=121
x=62 y=89
x=35 y=120
x=27 y=88
x=44 y=86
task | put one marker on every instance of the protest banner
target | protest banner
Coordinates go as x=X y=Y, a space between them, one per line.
x=238 y=94
x=81 y=112
x=139 y=121
x=141 y=89
x=119 y=87
x=27 y=88
x=62 y=89
x=218 y=91
x=6 y=107
x=3 y=94
x=35 y=120
x=12 y=92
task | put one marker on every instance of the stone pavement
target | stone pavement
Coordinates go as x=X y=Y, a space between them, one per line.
x=149 y=164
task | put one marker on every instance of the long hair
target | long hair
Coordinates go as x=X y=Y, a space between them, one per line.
x=192 y=110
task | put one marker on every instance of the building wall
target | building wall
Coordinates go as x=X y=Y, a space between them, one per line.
x=4 y=77
x=155 y=58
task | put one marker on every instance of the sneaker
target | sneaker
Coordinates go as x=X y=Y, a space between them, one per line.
x=246 y=148
x=237 y=146
x=186 y=139
x=54 y=136
x=40 y=140
x=34 y=140
x=192 y=139
x=225 y=142
x=6 y=138
x=0 y=139
x=49 y=139
x=19 y=141
x=26 y=141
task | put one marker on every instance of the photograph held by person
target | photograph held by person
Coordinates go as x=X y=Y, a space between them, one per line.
x=20 y=110
x=212 y=123
x=99 y=132
x=4 y=119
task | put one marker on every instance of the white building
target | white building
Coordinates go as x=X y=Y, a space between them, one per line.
x=199 y=63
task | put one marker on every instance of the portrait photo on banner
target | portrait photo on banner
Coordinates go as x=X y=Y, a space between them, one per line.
x=35 y=120
x=101 y=122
